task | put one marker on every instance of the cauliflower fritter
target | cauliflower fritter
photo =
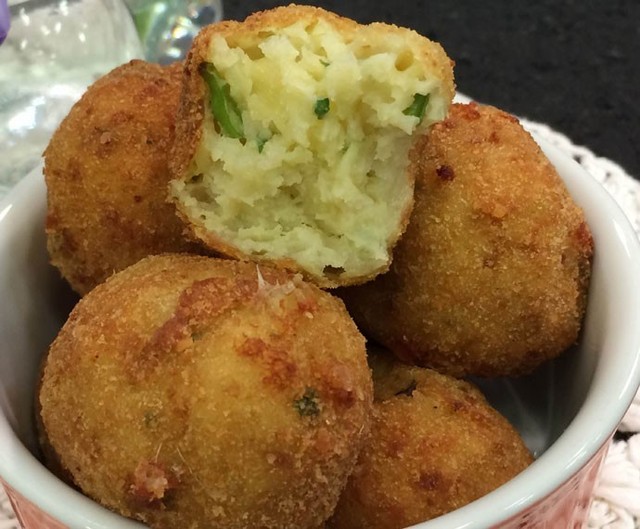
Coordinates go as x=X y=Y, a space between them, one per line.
x=106 y=173
x=491 y=275
x=294 y=131
x=196 y=392
x=435 y=446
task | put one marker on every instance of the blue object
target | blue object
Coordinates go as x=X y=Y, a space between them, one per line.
x=5 y=20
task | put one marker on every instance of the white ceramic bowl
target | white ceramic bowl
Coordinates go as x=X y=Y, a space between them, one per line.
x=567 y=411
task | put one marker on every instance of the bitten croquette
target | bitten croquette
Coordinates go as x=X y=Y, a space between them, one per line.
x=196 y=392
x=295 y=128
x=106 y=174
x=435 y=446
x=491 y=276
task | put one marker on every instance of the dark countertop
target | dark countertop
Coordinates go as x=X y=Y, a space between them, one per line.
x=573 y=65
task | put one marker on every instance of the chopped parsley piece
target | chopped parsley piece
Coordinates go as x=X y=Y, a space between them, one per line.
x=308 y=405
x=322 y=107
x=418 y=107
x=225 y=110
x=260 y=142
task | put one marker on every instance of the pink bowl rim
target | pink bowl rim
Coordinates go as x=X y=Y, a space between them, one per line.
x=613 y=387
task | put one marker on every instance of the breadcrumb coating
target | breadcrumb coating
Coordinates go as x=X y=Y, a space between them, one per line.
x=491 y=276
x=106 y=174
x=435 y=446
x=197 y=392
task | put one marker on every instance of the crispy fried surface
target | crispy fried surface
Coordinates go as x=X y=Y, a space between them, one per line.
x=106 y=174
x=491 y=275
x=327 y=197
x=194 y=392
x=435 y=445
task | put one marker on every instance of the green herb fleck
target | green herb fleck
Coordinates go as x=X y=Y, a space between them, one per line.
x=324 y=63
x=260 y=142
x=418 y=107
x=408 y=391
x=308 y=405
x=225 y=110
x=322 y=107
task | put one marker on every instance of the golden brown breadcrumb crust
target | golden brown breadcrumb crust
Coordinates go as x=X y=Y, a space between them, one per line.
x=191 y=115
x=106 y=174
x=491 y=276
x=197 y=392
x=435 y=446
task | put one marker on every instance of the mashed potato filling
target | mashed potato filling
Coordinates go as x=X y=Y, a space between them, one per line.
x=305 y=144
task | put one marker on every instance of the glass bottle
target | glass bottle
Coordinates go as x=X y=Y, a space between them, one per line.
x=53 y=51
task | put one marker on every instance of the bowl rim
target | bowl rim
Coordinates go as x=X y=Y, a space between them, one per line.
x=612 y=389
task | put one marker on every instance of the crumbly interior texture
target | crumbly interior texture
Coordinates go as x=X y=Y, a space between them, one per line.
x=319 y=175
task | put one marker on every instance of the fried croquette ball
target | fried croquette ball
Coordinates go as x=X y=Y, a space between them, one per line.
x=196 y=392
x=491 y=275
x=106 y=174
x=294 y=134
x=435 y=446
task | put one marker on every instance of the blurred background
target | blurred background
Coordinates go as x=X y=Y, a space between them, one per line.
x=55 y=48
x=572 y=64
